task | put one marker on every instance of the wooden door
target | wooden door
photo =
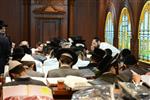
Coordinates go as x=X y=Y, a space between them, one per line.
x=47 y=29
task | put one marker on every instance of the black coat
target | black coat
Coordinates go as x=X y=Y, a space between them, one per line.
x=5 y=49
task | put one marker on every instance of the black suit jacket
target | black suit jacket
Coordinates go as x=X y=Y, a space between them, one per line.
x=5 y=50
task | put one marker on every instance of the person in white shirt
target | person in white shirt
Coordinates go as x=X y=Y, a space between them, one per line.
x=105 y=45
x=96 y=43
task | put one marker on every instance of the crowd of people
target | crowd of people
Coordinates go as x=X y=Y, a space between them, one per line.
x=59 y=58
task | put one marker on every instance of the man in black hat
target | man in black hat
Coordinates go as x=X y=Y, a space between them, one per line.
x=130 y=63
x=67 y=58
x=2 y=27
x=18 y=53
x=97 y=56
x=5 y=47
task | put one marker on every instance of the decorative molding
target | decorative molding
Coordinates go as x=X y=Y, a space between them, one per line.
x=49 y=17
x=49 y=2
x=49 y=6
x=49 y=10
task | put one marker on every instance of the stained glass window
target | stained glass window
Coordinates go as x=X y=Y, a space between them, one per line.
x=109 y=28
x=124 y=29
x=144 y=33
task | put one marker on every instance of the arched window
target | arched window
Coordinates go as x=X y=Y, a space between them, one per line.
x=109 y=28
x=144 y=33
x=124 y=29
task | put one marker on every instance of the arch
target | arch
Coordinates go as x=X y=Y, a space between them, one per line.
x=111 y=8
x=109 y=28
x=144 y=34
x=110 y=22
x=124 y=33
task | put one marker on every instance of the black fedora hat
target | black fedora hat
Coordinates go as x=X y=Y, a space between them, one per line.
x=77 y=39
x=2 y=24
x=98 y=53
x=124 y=52
x=130 y=60
x=70 y=53
x=18 y=53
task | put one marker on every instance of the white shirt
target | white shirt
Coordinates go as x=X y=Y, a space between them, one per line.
x=50 y=64
x=80 y=63
x=105 y=45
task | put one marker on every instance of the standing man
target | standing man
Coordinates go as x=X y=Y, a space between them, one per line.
x=5 y=47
